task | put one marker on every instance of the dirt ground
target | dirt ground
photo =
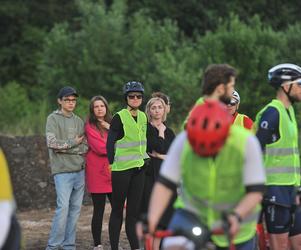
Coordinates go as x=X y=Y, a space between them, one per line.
x=36 y=226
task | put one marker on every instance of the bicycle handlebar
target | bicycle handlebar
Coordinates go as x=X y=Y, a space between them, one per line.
x=199 y=233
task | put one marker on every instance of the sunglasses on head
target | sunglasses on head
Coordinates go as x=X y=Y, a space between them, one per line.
x=133 y=96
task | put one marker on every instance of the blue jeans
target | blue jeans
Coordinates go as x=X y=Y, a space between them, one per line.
x=70 y=191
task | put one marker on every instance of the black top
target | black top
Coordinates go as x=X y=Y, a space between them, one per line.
x=268 y=128
x=158 y=144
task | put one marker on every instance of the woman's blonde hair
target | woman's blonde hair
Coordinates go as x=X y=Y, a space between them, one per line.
x=150 y=104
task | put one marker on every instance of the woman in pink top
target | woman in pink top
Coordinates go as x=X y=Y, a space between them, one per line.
x=98 y=173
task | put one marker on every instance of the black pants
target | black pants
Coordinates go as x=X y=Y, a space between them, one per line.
x=147 y=190
x=151 y=175
x=99 y=202
x=126 y=185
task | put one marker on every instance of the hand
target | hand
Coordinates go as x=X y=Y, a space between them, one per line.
x=298 y=198
x=234 y=225
x=161 y=127
x=153 y=154
x=139 y=230
x=79 y=139
x=104 y=124
x=151 y=226
x=142 y=227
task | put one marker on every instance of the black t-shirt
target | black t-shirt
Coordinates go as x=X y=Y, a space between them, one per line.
x=158 y=144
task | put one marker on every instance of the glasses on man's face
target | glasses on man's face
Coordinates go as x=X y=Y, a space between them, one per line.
x=134 y=96
x=67 y=100
x=292 y=82
x=232 y=104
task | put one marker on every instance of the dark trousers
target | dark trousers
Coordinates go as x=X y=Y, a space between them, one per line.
x=99 y=203
x=126 y=185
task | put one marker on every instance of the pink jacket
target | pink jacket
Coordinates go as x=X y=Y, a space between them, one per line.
x=98 y=173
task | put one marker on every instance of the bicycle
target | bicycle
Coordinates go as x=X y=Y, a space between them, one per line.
x=195 y=231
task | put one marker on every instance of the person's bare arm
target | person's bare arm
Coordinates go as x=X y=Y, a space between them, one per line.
x=243 y=209
x=159 y=201
x=157 y=155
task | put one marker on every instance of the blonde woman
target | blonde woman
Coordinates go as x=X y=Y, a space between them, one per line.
x=159 y=138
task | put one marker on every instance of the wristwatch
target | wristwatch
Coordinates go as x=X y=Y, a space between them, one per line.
x=238 y=217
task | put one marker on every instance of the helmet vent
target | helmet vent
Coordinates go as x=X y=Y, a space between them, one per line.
x=193 y=142
x=210 y=105
x=202 y=147
x=205 y=123
x=193 y=122
x=217 y=125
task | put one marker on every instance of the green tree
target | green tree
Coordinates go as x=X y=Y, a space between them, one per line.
x=20 y=116
x=252 y=49
x=195 y=16
x=23 y=25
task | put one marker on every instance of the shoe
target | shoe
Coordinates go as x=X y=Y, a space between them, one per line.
x=99 y=247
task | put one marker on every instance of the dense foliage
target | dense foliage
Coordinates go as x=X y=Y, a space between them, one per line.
x=96 y=46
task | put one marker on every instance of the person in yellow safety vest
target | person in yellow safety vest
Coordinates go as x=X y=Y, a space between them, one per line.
x=218 y=84
x=278 y=135
x=126 y=151
x=237 y=118
x=219 y=168
x=10 y=231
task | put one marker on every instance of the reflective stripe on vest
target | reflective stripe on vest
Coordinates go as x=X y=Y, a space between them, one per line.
x=281 y=158
x=130 y=144
x=197 y=202
x=281 y=151
x=129 y=157
x=282 y=170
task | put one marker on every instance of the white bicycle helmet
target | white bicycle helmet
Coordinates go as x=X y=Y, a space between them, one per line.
x=283 y=72
x=235 y=96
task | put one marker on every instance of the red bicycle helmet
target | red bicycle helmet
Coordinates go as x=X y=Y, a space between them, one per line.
x=208 y=127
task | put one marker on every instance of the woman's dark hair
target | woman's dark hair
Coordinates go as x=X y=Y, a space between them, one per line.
x=92 y=118
x=216 y=74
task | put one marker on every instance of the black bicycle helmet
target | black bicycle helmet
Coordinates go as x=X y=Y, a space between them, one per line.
x=282 y=73
x=133 y=87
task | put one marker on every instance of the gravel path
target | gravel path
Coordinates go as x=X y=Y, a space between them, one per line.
x=36 y=226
